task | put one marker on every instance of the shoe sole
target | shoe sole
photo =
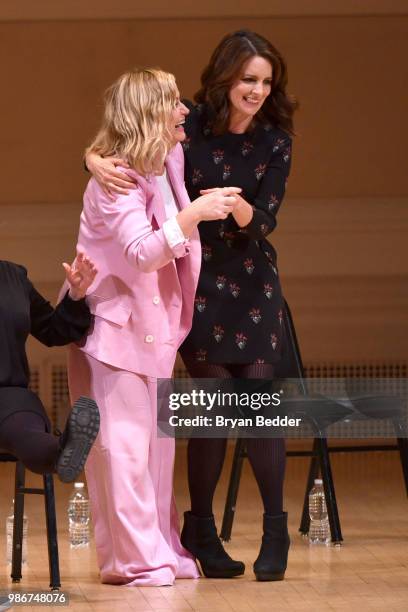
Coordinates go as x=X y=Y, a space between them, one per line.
x=269 y=577
x=222 y=573
x=83 y=427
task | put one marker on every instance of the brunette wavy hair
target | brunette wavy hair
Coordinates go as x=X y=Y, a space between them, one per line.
x=225 y=67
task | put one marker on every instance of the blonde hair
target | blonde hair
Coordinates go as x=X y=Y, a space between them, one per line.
x=136 y=119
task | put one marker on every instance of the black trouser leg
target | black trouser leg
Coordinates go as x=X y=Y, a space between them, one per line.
x=24 y=435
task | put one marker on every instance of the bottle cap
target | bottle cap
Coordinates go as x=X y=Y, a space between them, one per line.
x=318 y=481
x=79 y=485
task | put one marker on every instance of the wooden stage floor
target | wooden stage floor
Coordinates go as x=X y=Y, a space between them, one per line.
x=369 y=572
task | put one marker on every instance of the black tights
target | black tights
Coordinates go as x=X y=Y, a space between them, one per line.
x=267 y=456
x=24 y=435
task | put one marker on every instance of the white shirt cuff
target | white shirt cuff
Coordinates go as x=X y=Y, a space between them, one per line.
x=175 y=237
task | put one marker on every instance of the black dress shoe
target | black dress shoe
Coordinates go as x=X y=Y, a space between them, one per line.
x=273 y=556
x=199 y=536
x=80 y=432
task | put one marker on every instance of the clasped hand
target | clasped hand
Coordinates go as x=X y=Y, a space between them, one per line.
x=217 y=202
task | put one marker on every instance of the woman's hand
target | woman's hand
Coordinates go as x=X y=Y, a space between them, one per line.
x=217 y=203
x=111 y=180
x=209 y=207
x=242 y=212
x=80 y=276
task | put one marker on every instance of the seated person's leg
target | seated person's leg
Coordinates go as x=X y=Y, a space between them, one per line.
x=24 y=435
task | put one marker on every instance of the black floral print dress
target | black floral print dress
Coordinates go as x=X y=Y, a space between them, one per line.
x=238 y=304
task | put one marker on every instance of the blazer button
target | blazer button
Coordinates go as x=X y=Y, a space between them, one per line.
x=156 y=299
x=149 y=339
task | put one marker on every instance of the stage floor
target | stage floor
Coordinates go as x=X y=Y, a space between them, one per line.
x=369 y=572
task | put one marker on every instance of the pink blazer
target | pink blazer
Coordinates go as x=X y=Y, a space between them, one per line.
x=143 y=294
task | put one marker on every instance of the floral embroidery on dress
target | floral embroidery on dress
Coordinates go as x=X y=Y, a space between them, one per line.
x=229 y=238
x=218 y=156
x=206 y=252
x=259 y=360
x=241 y=340
x=280 y=316
x=247 y=148
x=221 y=230
x=255 y=315
x=220 y=282
x=274 y=341
x=207 y=129
x=286 y=154
x=200 y=303
x=271 y=262
x=278 y=144
x=268 y=290
x=186 y=143
x=235 y=289
x=264 y=227
x=218 y=333
x=273 y=202
x=249 y=265
x=227 y=172
x=260 y=171
x=197 y=177
x=201 y=355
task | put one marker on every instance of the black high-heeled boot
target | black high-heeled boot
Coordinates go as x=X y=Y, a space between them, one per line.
x=199 y=536
x=273 y=556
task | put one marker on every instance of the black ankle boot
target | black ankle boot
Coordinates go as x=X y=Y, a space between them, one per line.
x=76 y=441
x=273 y=556
x=199 y=536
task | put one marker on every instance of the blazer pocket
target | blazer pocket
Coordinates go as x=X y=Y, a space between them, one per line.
x=109 y=309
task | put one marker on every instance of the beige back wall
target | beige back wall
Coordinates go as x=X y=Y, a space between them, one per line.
x=24 y=10
x=343 y=228
x=348 y=72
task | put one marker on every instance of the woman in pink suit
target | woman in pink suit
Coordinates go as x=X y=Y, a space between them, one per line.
x=146 y=247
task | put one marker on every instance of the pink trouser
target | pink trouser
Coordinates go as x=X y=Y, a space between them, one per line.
x=130 y=479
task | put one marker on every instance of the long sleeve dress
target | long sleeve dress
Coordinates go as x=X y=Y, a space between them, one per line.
x=238 y=315
x=24 y=311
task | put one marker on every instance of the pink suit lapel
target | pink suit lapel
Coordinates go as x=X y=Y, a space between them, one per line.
x=155 y=204
x=174 y=172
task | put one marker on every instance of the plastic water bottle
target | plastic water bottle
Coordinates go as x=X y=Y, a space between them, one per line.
x=78 y=517
x=319 y=531
x=9 y=535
